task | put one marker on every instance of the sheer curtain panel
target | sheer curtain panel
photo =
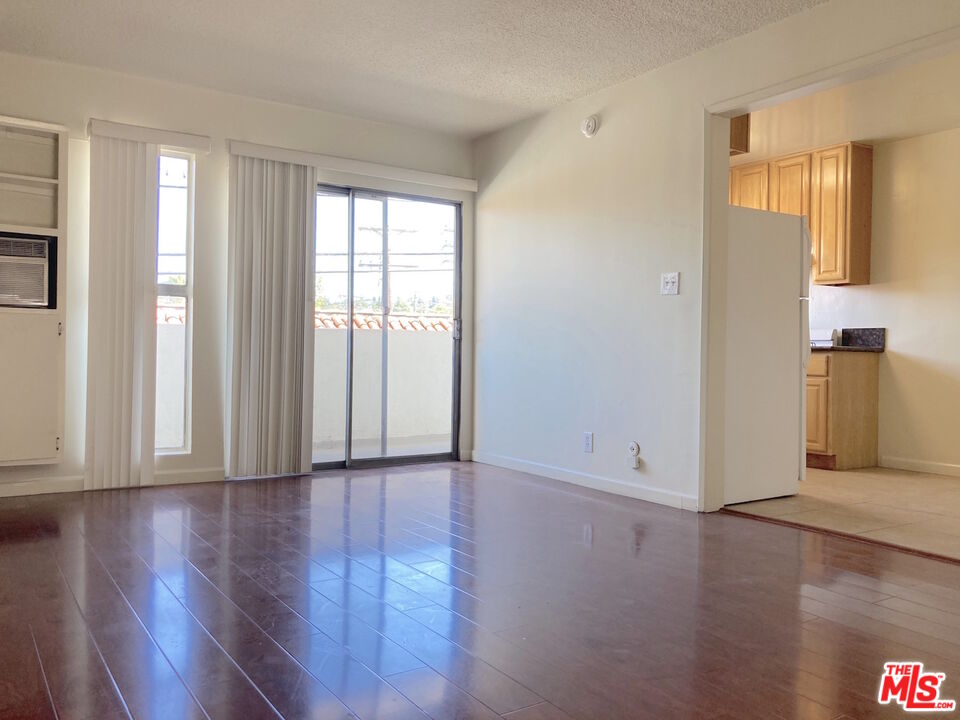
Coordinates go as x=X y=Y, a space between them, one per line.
x=270 y=301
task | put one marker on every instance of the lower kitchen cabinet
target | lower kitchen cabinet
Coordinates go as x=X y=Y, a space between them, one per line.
x=842 y=410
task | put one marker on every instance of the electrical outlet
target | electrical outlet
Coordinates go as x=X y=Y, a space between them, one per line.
x=670 y=283
x=588 y=442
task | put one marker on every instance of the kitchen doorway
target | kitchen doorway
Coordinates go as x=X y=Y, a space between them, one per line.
x=872 y=163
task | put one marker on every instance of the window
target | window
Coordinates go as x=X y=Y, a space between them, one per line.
x=174 y=299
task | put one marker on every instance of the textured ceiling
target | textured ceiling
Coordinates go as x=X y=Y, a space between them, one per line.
x=461 y=66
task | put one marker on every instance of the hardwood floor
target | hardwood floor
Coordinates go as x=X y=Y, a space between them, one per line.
x=914 y=510
x=447 y=591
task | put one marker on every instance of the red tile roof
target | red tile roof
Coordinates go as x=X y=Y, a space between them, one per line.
x=374 y=321
x=172 y=315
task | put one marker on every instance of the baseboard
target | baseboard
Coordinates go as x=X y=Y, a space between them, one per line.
x=192 y=475
x=924 y=466
x=74 y=483
x=42 y=486
x=594 y=482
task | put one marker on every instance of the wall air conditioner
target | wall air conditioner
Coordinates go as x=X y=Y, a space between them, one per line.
x=28 y=271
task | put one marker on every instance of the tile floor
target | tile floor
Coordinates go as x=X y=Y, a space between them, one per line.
x=914 y=510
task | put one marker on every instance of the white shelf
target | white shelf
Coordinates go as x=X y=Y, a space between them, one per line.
x=14 y=177
x=29 y=230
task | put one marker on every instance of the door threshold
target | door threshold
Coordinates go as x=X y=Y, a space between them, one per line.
x=364 y=463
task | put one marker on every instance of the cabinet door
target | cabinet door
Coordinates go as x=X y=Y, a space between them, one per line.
x=749 y=187
x=790 y=185
x=818 y=404
x=30 y=372
x=828 y=215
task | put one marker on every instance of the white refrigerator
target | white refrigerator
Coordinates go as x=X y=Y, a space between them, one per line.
x=767 y=351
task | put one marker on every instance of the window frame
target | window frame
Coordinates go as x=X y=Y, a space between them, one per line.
x=186 y=292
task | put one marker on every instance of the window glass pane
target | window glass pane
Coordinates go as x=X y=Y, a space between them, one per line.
x=331 y=258
x=173 y=334
x=330 y=328
x=367 y=416
x=172 y=211
x=368 y=257
x=171 y=372
x=421 y=260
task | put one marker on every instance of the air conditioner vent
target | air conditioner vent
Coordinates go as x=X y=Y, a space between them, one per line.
x=26 y=277
x=23 y=283
x=18 y=247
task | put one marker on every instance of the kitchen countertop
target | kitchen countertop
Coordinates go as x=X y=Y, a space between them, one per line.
x=848 y=348
x=858 y=340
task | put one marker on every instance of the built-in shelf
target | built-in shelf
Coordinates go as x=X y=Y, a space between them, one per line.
x=33 y=201
x=29 y=230
x=28 y=178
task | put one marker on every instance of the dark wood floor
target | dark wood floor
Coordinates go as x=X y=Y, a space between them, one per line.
x=452 y=591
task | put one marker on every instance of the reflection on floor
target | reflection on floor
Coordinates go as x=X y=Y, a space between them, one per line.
x=448 y=591
x=913 y=510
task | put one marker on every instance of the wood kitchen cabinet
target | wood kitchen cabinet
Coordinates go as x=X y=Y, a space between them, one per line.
x=749 y=186
x=790 y=185
x=842 y=410
x=740 y=134
x=818 y=408
x=833 y=187
x=841 y=203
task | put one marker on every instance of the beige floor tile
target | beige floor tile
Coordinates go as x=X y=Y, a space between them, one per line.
x=927 y=501
x=843 y=520
x=916 y=510
x=949 y=525
x=781 y=506
x=917 y=536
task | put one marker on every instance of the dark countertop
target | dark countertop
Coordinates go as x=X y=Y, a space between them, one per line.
x=858 y=340
x=848 y=348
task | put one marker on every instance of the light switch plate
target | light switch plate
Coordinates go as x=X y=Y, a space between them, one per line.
x=670 y=283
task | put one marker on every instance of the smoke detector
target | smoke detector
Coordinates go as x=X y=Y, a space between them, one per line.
x=590 y=125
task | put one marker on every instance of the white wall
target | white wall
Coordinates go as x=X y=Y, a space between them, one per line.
x=572 y=235
x=70 y=95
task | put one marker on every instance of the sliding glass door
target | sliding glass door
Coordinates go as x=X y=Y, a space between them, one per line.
x=386 y=329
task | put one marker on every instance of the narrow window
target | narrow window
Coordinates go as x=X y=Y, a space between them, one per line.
x=174 y=300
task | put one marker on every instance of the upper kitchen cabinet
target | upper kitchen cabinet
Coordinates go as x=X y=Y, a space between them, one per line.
x=833 y=187
x=749 y=186
x=841 y=200
x=790 y=185
x=740 y=134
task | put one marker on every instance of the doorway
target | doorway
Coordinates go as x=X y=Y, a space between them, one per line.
x=874 y=169
x=386 y=328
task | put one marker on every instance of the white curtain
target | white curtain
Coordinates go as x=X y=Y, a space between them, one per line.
x=270 y=301
x=121 y=351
